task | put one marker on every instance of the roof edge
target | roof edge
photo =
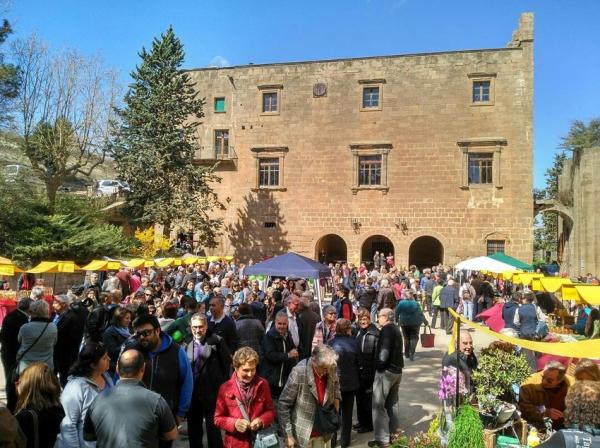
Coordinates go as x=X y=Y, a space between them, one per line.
x=320 y=61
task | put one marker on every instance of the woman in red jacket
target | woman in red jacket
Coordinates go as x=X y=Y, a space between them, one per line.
x=253 y=393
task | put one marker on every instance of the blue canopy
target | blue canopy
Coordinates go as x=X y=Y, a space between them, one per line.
x=289 y=265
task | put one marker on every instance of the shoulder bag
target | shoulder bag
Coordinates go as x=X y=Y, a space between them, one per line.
x=13 y=374
x=327 y=420
x=266 y=437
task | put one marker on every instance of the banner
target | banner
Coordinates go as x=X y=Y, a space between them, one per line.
x=579 y=349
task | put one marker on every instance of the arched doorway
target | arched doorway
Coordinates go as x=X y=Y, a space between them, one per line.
x=425 y=252
x=331 y=248
x=375 y=243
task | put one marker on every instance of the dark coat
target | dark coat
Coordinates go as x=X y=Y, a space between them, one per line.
x=449 y=297
x=367 y=296
x=307 y=321
x=276 y=365
x=386 y=298
x=347 y=364
x=366 y=340
x=508 y=313
x=226 y=329
x=213 y=371
x=251 y=332
x=97 y=321
x=69 y=334
x=113 y=341
x=390 y=342
x=9 y=334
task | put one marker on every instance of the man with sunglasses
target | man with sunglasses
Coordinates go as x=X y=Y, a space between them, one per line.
x=168 y=371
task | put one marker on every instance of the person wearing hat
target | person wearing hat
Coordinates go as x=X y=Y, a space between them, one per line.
x=70 y=325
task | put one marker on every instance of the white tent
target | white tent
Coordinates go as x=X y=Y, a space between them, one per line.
x=483 y=264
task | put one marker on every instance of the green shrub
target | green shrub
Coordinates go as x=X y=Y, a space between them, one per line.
x=467 y=431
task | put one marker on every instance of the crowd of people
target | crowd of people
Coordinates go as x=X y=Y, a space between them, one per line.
x=126 y=358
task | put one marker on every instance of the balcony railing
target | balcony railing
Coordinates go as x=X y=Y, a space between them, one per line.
x=214 y=153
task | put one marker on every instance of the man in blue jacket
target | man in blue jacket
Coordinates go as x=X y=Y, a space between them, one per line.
x=168 y=371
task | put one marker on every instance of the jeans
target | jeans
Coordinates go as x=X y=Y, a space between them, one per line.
x=411 y=338
x=468 y=309
x=428 y=306
x=374 y=312
x=386 y=405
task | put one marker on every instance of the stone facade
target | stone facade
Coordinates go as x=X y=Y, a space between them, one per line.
x=422 y=129
x=578 y=207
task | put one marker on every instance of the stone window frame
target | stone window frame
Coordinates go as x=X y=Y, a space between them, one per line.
x=493 y=242
x=269 y=152
x=370 y=83
x=370 y=149
x=478 y=77
x=481 y=145
x=270 y=88
x=219 y=97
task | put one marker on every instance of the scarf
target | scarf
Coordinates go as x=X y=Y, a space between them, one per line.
x=245 y=391
x=123 y=331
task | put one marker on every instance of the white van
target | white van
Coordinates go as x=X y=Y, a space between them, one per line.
x=107 y=187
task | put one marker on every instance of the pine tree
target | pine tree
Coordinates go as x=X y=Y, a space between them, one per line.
x=9 y=79
x=156 y=141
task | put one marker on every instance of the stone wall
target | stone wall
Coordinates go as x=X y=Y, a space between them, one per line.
x=426 y=126
x=579 y=209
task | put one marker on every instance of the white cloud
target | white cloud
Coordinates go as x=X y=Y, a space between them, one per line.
x=218 y=61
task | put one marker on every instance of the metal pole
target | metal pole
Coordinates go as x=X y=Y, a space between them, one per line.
x=458 y=359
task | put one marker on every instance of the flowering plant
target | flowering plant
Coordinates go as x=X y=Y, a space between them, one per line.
x=447 y=385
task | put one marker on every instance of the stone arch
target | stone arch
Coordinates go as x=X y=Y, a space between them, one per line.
x=425 y=251
x=374 y=243
x=331 y=248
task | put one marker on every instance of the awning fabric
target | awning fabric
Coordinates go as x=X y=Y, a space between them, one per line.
x=55 y=267
x=511 y=261
x=7 y=267
x=289 y=265
x=553 y=284
x=525 y=278
x=103 y=265
x=589 y=293
x=483 y=264
x=580 y=349
x=140 y=262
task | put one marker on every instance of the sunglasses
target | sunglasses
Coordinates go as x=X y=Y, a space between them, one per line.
x=143 y=333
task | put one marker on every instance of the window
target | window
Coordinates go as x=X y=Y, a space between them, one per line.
x=481 y=91
x=269 y=225
x=221 y=143
x=269 y=102
x=268 y=172
x=219 y=105
x=369 y=166
x=369 y=170
x=482 y=88
x=494 y=246
x=370 y=99
x=480 y=168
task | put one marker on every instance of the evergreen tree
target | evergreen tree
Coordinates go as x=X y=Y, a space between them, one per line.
x=155 y=144
x=9 y=80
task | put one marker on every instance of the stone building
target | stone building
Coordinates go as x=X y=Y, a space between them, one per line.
x=578 y=205
x=427 y=156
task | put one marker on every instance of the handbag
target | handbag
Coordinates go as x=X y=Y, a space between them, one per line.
x=327 y=420
x=427 y=339
x=264 y=438
x=13 y=375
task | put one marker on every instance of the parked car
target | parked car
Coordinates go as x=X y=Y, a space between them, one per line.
x=107 y=187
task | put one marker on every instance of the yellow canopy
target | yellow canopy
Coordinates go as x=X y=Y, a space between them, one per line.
x=54 y=267
x=103 y=265
x=579 y=349
x=568 y=292
x=189 y=260
x=589 y=293
x=553 y=284
x=508 y=275
x=7 y=267
x=526 y=278
x=140 y=262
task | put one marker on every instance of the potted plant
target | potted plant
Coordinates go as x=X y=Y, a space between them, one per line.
x=447 y=394
x=467 y=430
x=499 y=371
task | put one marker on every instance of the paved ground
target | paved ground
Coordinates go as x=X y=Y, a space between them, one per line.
x=418 y=391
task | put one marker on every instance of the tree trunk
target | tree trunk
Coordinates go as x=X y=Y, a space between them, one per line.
x=51 y=189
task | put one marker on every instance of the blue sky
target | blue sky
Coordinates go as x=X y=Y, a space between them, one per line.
x=567 y=39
